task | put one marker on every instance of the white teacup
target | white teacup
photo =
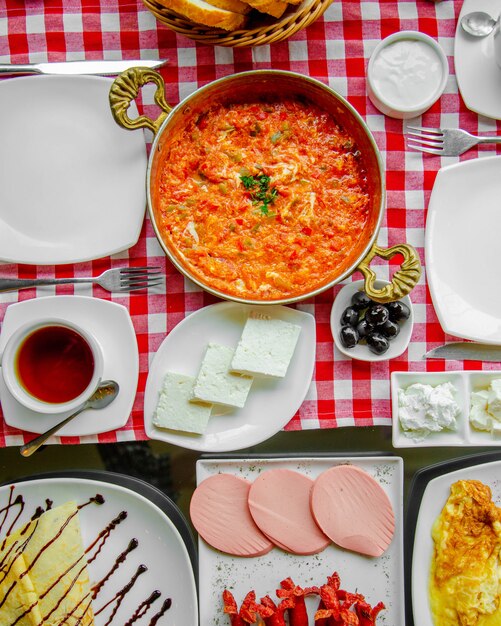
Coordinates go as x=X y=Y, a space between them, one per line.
x=52 y=365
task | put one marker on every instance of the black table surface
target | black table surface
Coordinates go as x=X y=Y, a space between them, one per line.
x=172 y=469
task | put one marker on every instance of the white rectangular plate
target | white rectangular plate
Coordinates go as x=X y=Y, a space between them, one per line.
x=376 y=578
x=465 y=382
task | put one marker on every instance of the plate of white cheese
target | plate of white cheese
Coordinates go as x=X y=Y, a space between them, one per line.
x=230 y=376
x=461 y=408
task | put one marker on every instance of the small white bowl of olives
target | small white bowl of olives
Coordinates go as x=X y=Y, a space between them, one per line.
x=369 y=331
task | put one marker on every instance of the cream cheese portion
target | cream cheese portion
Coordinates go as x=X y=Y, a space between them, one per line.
x=485 y=408
x=479 y=417
x=494 y=401
x=425 y=409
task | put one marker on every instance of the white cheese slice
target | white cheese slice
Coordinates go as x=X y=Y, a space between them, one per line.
x=174 y=409
x=479 y=418
x=215 y=383
x=265 y=347
x=494 y=401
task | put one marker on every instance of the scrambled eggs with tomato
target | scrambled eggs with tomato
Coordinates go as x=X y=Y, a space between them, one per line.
x=263 y=200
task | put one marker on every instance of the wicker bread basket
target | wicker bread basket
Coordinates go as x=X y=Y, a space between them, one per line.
x=262 y=29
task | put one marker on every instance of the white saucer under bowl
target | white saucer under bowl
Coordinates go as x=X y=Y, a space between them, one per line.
x=111 y=325
x=361 y=351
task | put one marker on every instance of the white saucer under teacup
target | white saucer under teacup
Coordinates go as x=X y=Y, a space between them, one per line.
x=111 y=326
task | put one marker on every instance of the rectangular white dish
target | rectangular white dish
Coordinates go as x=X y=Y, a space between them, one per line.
x=377 y=578
x=465 y=382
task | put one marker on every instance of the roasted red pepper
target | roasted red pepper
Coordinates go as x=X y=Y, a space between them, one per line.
x=367 y=614
x=331 y=612
x=248 y=609
x=338 y=602
x=297 y=612
x=275 y=616
x=231 y=608
x=337 y=607
x=321 y=615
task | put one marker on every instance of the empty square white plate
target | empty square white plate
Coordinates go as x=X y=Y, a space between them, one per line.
x=72 y=182
x=462 y=249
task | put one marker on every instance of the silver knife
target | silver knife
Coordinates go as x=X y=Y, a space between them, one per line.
x=462 y=350
x=102 y=68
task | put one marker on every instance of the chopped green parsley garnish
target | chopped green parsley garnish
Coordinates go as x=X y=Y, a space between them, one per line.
x=259 y=186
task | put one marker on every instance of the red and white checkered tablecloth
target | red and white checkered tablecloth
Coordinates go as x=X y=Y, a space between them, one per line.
x=335 y=50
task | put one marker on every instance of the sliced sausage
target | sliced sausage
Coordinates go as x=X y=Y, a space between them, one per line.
x=353 y=510
x=279 y=502
x=220 y=514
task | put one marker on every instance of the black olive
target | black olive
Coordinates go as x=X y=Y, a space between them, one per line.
x=398 y=311
x=377 y=314
x=348 y=336
x=350 y=317
x=364 y=328
x=360 y=300
x=377 y=343
x=389 y=329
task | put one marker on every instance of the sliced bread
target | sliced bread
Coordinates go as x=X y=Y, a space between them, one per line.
x=272 y=7
x=207 y=14
x=237 y=6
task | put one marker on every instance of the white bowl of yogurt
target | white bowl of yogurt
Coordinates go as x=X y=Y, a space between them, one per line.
x=407 y=74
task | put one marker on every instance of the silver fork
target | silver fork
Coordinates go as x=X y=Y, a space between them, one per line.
x=119 y=279
x=444 y=141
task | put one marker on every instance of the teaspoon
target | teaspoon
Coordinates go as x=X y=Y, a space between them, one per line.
x=104 y=395
x=478 y=23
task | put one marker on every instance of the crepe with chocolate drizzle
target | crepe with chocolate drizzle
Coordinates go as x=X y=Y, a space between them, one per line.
x=43 y=572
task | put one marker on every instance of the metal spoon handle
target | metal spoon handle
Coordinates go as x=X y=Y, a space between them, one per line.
x=34 y=444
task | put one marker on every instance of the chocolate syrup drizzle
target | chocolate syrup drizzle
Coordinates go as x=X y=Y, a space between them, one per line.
x=119 y=560
x=17 y=548
x=79 y=611
x=143 y=607
x=165 y=607
x=6 y=510
x=102 y=538
x=120 y=595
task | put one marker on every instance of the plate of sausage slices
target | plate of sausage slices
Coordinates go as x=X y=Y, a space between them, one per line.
x=299 y=539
